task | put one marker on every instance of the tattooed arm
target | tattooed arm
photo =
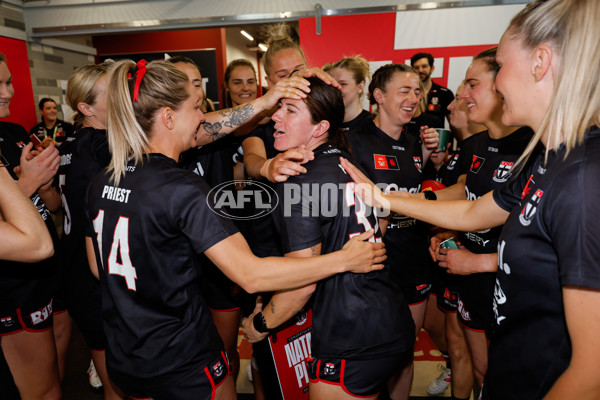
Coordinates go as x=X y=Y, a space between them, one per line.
x=284 y=304
x=220 y=123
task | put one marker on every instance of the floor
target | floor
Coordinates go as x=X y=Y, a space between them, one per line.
x=76 y=387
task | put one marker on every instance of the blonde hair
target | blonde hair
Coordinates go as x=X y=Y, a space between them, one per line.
x=571 y=28
x=80 y=87
x=279 y=39
x=130 y=122
x=358 y=66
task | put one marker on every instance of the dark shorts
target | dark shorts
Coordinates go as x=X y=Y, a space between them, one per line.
x=447 y=299
x=198 y=382
x=34 y=316
x=475 y=302
x=358 y=378
x=416 y=294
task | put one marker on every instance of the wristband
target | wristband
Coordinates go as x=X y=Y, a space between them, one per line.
x=430 y=195
x=260 y=324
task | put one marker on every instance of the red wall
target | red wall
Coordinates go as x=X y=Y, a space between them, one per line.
x=22 y=106
x=166 y=41
x=372 y=36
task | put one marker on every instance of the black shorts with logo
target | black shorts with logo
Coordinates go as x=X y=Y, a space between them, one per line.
x=416 y=294
x=358 y=378
x=191 y=381
x=475 y=301
x=35 y=315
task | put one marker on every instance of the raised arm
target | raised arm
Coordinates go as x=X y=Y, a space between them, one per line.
x=25 y=237
x=462 y=215
x=220 y=123
x=233 y=256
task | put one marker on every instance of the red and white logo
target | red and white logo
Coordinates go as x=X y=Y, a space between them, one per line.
x=502 y=173
x=39 y=316
x=418 y=163
x=530 y=208
x=476 y=164
x=385 y=162
x=329 y=369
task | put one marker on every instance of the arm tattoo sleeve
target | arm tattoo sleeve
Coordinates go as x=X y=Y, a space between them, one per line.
x=230 y=118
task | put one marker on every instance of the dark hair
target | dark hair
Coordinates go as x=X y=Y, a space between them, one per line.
x=383 y=75
x=44 y=101
x=240 y=62
x=183 y=59
x=489 y=57
x=325 y=103
x=2 y=58
x=418 y=56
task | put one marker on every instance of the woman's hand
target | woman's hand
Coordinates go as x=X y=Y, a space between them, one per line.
x=364 y=256
x=290 y=88
x=319 y=73
x=251 y=334
x=364 y=187
x=284 y=165
x=430 y=137
x=434 y=243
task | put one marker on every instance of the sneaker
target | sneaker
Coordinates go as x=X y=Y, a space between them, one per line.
x=441 y=383
x=95 y=381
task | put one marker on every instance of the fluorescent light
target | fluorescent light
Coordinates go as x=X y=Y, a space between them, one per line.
x=262 y=47
x=248 y=36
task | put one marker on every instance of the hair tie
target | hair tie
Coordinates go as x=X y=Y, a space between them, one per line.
x=138 y=72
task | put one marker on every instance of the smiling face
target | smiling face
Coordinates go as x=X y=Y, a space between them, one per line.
x=49 y=113
x=284 y=62
x=483 y=102
x=514 y=81
x=400 y=99
x=351 y=90
x=6 y=90
x=242 y=85
x=294 y=126
x=189 y=117
x=459 y=112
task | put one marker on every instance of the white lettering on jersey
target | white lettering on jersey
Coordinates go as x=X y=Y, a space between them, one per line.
x=470 y=196
x=398 y=148
x=499 y=296
x=477 y=239
x=394 y=187
x=116 y=194
x=121 y=245
x=199 y=170
x=492 y=149
x=65 y=159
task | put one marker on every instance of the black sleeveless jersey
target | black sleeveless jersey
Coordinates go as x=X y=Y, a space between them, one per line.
x=355 y=316
x=150 y=229
x=488 y=163
x=396 y=165
x=82 y=157
x=549 y=241
x=19 y=280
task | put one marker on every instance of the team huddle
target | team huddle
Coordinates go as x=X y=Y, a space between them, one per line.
x=499 y=264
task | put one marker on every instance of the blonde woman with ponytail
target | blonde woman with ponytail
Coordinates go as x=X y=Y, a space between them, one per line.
x=545 y=342
x=150 y=219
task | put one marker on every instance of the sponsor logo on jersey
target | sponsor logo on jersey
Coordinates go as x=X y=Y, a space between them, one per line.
x=39 y=316
x=530 y=208
x=301 y=318
x=502 y=173
x=256 y=197
x=65 y=159
x=476 y=164
x=7 y=322
x=21 y=144
x=329 y=369
x=450 y=295
x=385 y=162
x=418 y=163
x=400 y=148
x=493 y=149
x=453 y=161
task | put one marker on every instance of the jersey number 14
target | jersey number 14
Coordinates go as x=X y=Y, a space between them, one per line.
x=120 y=246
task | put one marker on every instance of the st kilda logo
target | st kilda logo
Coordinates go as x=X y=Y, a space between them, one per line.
x=452 y=161
x=502 y=173
x=476 y=164
x=530 y=208
x=418 y=163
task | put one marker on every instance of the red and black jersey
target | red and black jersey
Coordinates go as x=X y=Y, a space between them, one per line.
x=549 y=241
x=438 y=100
x=396 y=165
x=149 y=230
x=488 y=163
x=355 y=316
x=82 y=157
x=61 y=131
x=18 y=281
